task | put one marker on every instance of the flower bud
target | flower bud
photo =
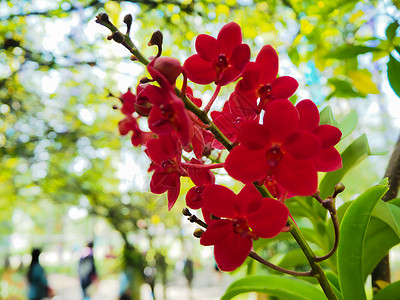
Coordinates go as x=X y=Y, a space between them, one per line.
x=118 y=37
x=170 y=67
x=156 y=39
x=186 y=212
x=198 y=233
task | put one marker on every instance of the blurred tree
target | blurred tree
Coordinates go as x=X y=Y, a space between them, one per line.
x=58 y=133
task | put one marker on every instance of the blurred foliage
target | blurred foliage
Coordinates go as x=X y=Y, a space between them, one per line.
x=58 y=133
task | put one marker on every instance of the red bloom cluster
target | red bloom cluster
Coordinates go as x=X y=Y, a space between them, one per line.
x=274 y=142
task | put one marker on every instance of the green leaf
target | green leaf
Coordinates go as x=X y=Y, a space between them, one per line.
x=351 y=243
x=391 y=30
x=397 y=49
x=393 y=71
x=326 y=117
x=293 y=258
x=357 y=151
x=334 y=280
x=379 y=240
x=343 y=89
x=349 y=51
x=390 y=214
x=348 y=123
x=390 y=292
x=287 y=288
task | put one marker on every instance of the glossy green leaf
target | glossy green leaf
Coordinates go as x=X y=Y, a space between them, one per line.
x=349 y=51
x=326 y=117
x=379 y=240
x=334 y=280
x=390 y=292
x=393 y=71
x=351 y=243
x=390 y=214
x=287 y=288
x=348 y=123
x=357 y=151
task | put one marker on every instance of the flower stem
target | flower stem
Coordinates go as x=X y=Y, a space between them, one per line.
x=315 y=266
x=258 y=258
x=214 y=96
x=126 y=41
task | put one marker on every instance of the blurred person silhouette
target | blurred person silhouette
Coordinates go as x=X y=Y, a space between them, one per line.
x=37 y=279
x=87 y=270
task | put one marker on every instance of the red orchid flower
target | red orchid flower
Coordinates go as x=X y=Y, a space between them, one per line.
x=220 y=60
x=278 y=147
x=259 y=79
x=128 y=100
x=231 y=117
x=165 y=153
x=328 y=159
x=139 y=137
x=201 y=178
x=168 y=112
x=244 y=217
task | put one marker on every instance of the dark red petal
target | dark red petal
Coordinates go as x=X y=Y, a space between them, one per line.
x=155 y=94
x=243 y=104
x=217 y=199
x=268 y=61
x=329 y=135
x=284 y=87
x=297 y=176
x=328 y=160
x=227 y=124
x=199 y=70
x=229 y=37
x=250 y=77
x=281 y=119
x=158 y=123
x=200 y=176
x=207 y=47
x=309 y=114
x=157 y=185
x=253 y=135
x=216 y=232
x=198 y=141
x=240 y=56
x=248 y=200
x=303 y=144
x=246 y=165
x=232 y=251
x=208 y=217
x=269 y=219
x=194 y=198
x=163 y=148
x=173 y=189
x=229 y=75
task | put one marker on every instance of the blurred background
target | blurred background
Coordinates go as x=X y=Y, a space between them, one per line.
x=67 y=177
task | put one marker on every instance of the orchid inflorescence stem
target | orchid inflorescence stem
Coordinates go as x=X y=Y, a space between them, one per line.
x=316 y=270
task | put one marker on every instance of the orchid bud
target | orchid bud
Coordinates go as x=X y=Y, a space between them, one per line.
x=170 y=67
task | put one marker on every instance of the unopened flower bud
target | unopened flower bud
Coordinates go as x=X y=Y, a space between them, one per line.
x=198 y=232
x=128 y=22
x=339 y=188
x=118 y=37
x=186 y=212
x=156 y=39
x=128 y=19
x=102 y=17
x=170 y=67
